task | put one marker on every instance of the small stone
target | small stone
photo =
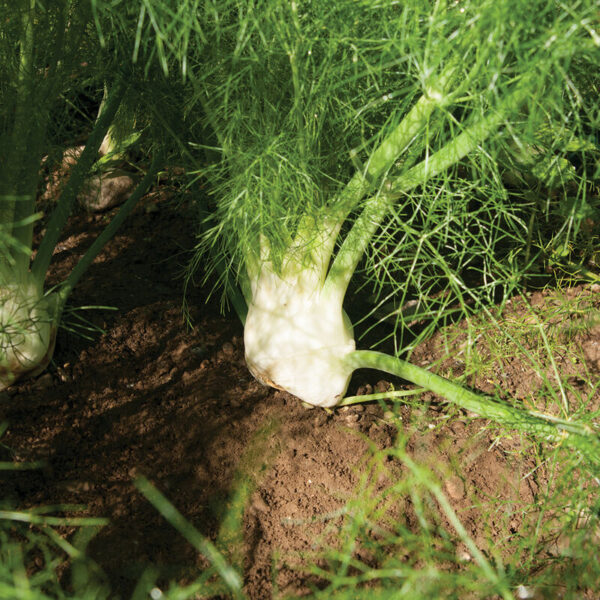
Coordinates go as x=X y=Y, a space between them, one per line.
x=320 y=419
x=62 y=374
x=463 y=555
x=524 y=592
x=228 y=349
x=382 y=387
x=259 y=505
x=455 y=488
x=105 y=191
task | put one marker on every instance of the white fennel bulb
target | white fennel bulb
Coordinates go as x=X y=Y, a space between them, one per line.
x=297 y=335
x=27 y=329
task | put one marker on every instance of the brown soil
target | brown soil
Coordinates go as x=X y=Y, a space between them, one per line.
x=153 y=396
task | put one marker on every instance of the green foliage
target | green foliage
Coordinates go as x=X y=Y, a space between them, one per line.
x=295 y=97
x=51 y=54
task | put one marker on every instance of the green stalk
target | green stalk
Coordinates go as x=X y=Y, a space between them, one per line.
x=79 y=173
x=35 y=90
x=365 y=226
x=383 y=157
x=109 y=231
x=580 y=436
x=19 y=202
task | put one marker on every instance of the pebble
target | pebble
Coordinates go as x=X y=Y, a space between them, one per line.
x=382 y=386
x=320 y=419
x=455 y=488
x=463 y=555
x=228 y=349
x=106 y=191
x=524 y=592
x=259 y=505
x=62 y=375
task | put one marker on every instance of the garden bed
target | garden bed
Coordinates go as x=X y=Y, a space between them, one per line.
x=153 y=396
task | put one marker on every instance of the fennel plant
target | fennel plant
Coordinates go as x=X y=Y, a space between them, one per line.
x=368 y=143
x=46 y=49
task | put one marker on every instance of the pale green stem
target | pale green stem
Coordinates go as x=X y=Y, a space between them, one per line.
x=354 y=245
x=35 y=92
x=108 y=145
x=350 y=400
x=365 y=226
x=578 y=435
x=18 y=202
x=383 y=157
x=80 y=171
